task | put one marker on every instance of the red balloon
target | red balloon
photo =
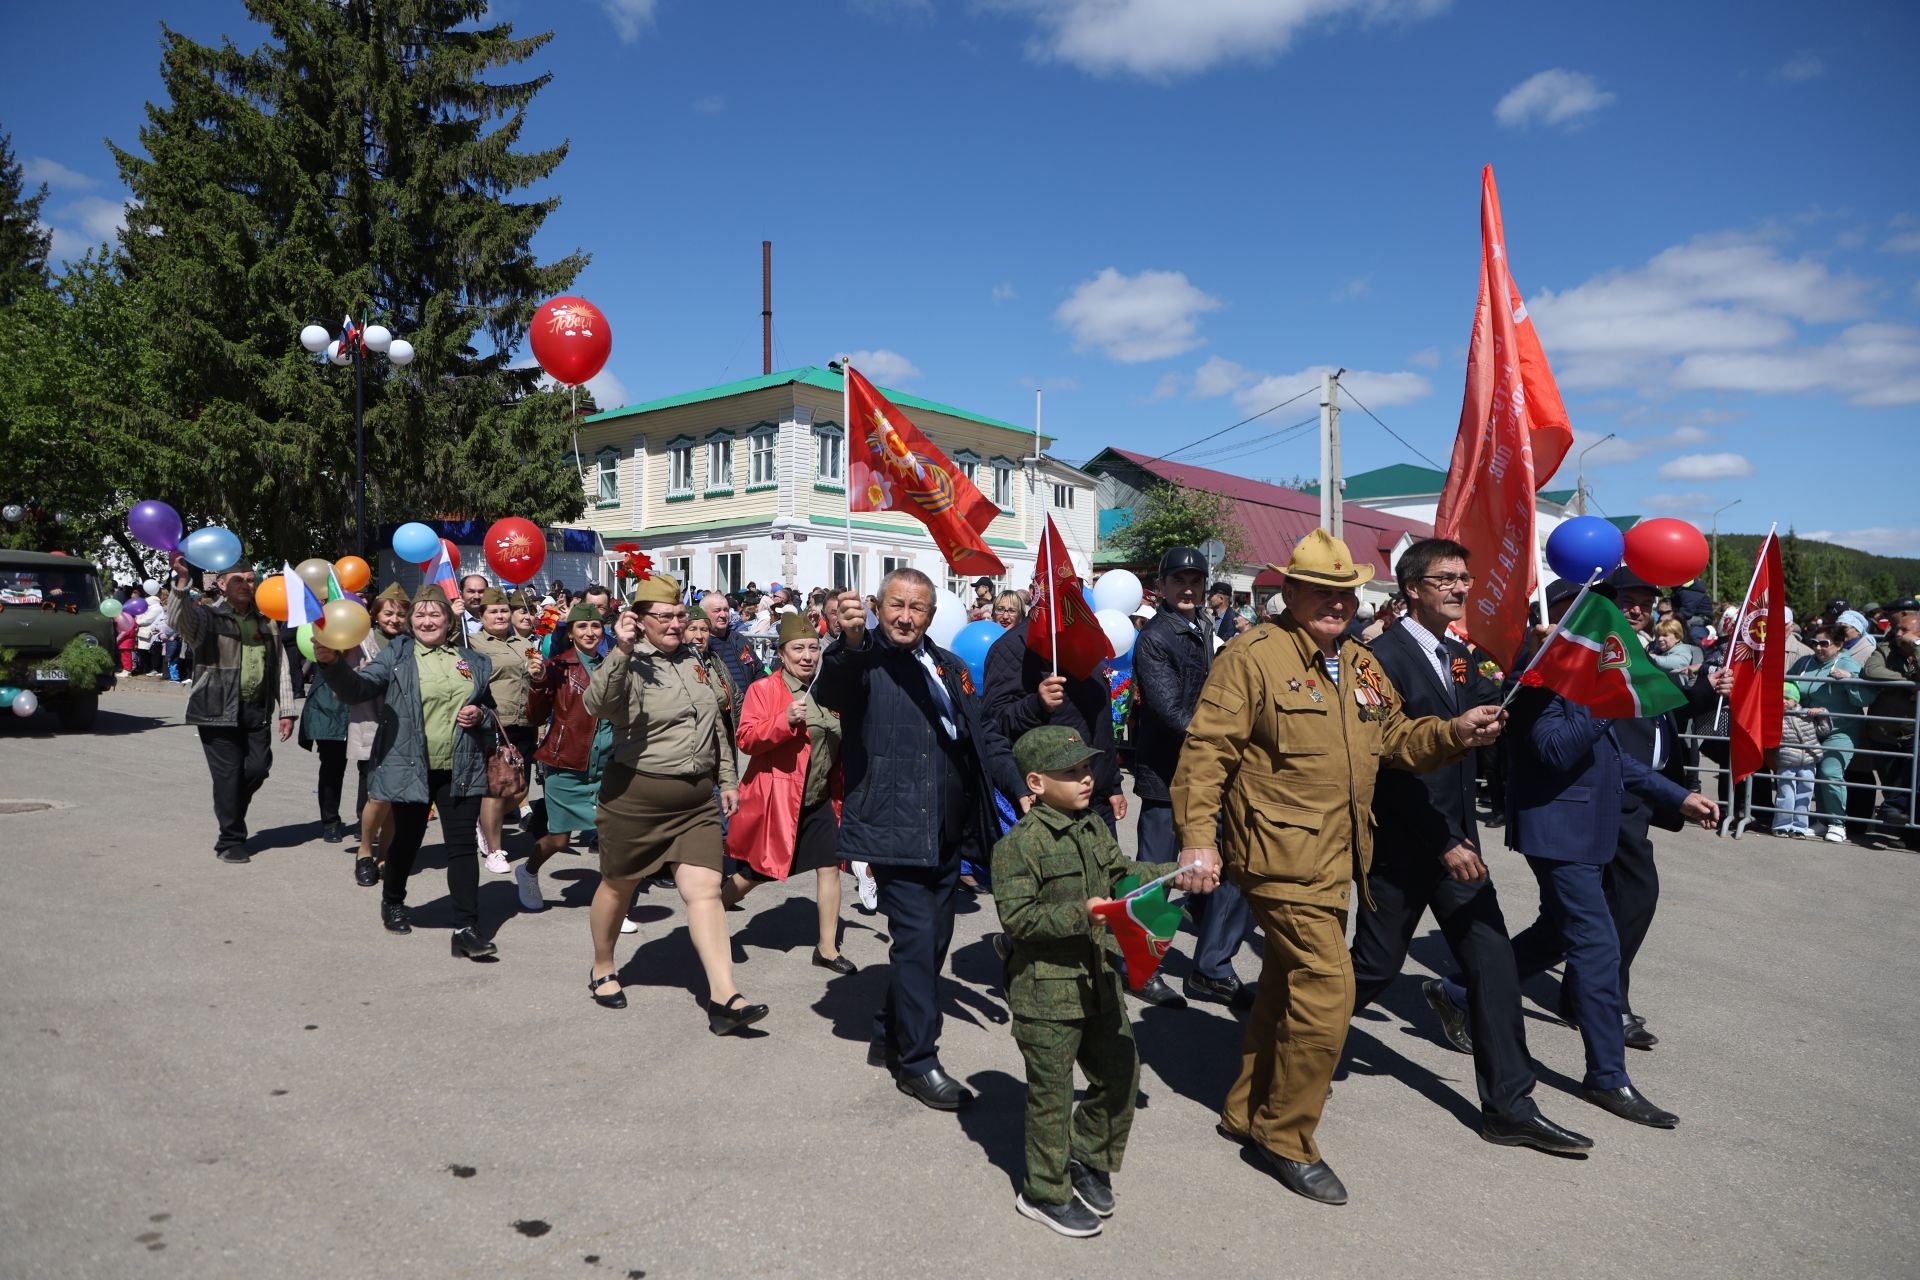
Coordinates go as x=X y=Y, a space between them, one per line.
x=571 y=339
x=515 y=549
x=1666 y=552
x=453 y=556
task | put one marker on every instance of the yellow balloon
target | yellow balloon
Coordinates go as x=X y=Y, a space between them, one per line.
x=343 y=624
x=314 y=573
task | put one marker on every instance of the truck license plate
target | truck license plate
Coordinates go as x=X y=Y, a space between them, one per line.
x=49 y=675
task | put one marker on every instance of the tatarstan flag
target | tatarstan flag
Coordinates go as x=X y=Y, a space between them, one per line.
x=894 y=467
x=1143 y=925
x=1594 y=659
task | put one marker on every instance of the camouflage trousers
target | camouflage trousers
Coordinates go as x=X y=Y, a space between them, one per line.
x=1095 y=1132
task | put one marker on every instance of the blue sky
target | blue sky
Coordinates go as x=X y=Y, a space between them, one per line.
x=1172 y=213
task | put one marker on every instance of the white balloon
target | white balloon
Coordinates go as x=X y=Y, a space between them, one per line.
x=949 y=615
x=25 y=703
x=1119 y=590
x=1119 y=629
x=152 y=587
x=400 y=351
x=314 y=338
x=378 y=336
x=338 y=354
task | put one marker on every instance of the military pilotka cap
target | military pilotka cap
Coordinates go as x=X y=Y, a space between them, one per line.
x=794 y=626
x=1050 y=747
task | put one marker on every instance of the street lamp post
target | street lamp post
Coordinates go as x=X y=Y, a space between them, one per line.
x=1714 y=584
x=1580 y=464
x=351 y=347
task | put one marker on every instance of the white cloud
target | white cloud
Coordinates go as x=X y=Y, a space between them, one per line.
x=1551 y=97
x=629 y=17
x=608 y=391
x=1631 y=449
x=1672 y=502
x=1854 y=239
x=1218 y=376
x=1801 y=67
x=1427 y=359
x=1351 y=288
x=56 y=175
x=1707 y=466
x=884 y=366
x=711 y=105
x=1905 y=242
x=1871 y=365
x=1161 y=39
x=1004 y=291
x=1133 y=319
x=85 y=224
x=1168 y=387
x=1880 y=540
x=1254 y=391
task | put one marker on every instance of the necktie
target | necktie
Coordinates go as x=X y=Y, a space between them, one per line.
x=1446 y=678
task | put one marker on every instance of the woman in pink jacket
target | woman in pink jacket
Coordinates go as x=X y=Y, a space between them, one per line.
x=789 y=816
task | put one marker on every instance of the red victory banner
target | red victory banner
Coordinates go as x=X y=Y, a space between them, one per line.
x=1758 y=660
x=1513 y=434
x=1061 y=627
x=895 y=468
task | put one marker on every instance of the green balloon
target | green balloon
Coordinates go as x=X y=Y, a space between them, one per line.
x=109 y=608
x=303 y=636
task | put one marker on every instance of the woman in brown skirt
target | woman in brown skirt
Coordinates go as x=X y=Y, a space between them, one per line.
x=656 y=799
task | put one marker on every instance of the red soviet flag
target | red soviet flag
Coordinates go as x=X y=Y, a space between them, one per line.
x=1513 y=434
x=1061 y=627
x=1758 y=660
x=895 y=468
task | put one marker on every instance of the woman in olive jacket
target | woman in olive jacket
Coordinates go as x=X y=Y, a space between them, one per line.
x=431 y=750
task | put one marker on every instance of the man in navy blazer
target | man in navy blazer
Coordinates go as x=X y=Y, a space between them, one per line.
x=1566 y=781
x=1426 y=854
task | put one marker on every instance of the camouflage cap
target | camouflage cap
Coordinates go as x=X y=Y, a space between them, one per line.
x=1051 y=747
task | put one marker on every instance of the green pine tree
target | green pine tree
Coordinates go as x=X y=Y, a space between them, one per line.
x=361 y=162
x=24 y=239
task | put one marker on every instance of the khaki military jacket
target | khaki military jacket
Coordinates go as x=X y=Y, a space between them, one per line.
x=1286 y=759
x=667 y=713
x=1061 y=968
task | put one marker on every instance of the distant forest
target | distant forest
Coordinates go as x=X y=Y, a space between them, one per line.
x=1817 y=572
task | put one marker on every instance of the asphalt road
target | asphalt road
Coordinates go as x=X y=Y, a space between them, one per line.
x=215 y=1071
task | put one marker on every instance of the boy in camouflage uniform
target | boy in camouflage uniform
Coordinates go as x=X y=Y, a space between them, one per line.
x=1064 y=984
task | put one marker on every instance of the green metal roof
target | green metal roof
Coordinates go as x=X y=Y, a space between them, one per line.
x=1623 y=523
x=1404 y=480
x=810 y=375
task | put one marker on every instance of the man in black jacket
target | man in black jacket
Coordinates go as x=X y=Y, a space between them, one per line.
x=1023 y=693
x=734 y=650
x=1171 y=659
x=920 y=761
x=1427 y=855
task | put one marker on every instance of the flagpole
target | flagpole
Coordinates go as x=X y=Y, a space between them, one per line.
x=1053 y=595
x=846 y=428
x=1559 y=628
x=1740 y=621
x=1135 y=892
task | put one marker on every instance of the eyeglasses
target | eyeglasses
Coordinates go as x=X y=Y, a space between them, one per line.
x=678 y=616
x=1447 y=581
x=1823 y=644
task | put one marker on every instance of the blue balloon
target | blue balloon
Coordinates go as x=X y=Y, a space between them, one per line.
x=212 y=548
x=414 y=542
x=1585 y=545
x=1120 y=667
x=971 y=646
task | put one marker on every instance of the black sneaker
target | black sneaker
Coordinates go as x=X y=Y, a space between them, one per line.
x=235 y=856
x=1069 y=1219
x=1093 y=1187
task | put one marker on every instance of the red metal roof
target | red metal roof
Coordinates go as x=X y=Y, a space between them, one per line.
x=1275 y=518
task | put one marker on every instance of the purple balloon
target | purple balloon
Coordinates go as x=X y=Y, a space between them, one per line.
x=155 y=524
x=134 y=607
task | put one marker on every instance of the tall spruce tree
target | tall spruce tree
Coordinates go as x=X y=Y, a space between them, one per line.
x=24 y=239
x=359 y=162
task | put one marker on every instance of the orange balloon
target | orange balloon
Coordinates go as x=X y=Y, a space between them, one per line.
x=353 y=573
x=270 y=598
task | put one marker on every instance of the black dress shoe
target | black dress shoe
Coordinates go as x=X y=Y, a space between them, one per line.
x=878 y=1055
x=331 y=833
x=366 y=872
x=618 y=1000
x=1533 y=1131
x=839 y=964
x=1629 y=1103
x=472 y=946
x=1453 y=1019
x=1229 y=990
x=1155 y=991
x=1092 y=1187
x=936 y=1089
x=1634 y=1029
x=394 y=916
x=734 y=1016
x=1314 y=1181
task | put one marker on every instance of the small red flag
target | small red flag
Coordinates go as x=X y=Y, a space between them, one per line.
x=1513 y=434
x=895 y=468
x=1758 y=661
x=1061 y=621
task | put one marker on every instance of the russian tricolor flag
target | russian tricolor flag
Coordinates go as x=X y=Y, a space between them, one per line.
x=439 y=570
x=303 y=607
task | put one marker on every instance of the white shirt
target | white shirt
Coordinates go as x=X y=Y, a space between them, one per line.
x=1431 y=645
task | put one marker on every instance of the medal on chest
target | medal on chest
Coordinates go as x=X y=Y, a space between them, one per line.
x=1313 y=690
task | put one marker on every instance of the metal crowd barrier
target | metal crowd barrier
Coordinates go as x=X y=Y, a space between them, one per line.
x=1736 y=818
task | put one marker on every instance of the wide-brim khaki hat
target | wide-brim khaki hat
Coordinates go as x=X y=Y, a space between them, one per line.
x=1324 y=560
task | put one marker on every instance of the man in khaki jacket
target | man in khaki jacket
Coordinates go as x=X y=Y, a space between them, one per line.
x=1292 y=728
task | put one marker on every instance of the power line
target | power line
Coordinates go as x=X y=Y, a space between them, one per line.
x=1277 y=438
x=1163 y=457
x=1390 y=431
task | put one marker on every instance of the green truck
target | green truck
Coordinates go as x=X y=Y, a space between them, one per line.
x=53 y=639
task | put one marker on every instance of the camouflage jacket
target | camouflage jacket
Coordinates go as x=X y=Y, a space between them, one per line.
x=1045 y=868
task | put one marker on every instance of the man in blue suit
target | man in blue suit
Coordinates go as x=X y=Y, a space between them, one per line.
x=1568 y=776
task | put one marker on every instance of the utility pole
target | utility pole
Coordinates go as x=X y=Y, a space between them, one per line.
x=1714 y=589
x=1580 y=493
x=1330 y=500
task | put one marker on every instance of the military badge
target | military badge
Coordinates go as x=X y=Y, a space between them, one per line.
x=1313 y=691
x=1293 y=685
x=462 y=667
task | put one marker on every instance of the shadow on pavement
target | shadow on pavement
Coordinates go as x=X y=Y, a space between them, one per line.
x=1195 y=1052
x=109 y=724
x=996 y=1122
x=1368 y=1056
x=848 y=1002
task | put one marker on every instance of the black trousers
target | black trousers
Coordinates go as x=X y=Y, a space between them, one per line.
x=1632 y=883
x=458 y=814
x=333 y=772
x=918 y=903
x=238 y=759
x=1469 y=915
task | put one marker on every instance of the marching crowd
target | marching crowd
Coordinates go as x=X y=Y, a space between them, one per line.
x=1292 y=772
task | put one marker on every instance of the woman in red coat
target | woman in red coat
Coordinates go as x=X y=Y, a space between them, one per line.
x=789 y=816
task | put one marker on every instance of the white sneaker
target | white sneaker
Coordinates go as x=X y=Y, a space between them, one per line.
x=528 y=882
x=869 y=891
x=497 y=863
x=480 y=840
x=1836 y=833
x=627 y=925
